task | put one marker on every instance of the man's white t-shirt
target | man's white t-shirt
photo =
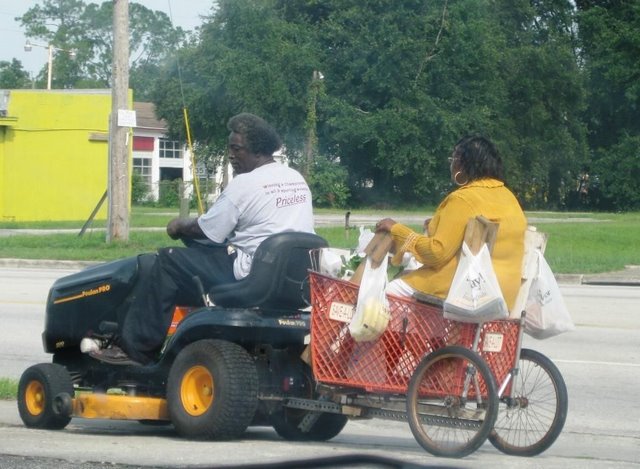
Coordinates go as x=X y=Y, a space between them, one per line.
x=270 y=199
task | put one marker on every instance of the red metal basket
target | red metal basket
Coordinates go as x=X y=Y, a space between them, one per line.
x=415 y=329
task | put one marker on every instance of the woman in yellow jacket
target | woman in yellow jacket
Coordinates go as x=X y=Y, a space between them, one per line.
x=476 y=167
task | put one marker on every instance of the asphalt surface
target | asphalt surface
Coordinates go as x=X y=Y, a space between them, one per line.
x=578 y=438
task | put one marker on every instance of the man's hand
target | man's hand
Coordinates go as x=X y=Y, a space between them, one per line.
x=173 y=228
x=184 y=228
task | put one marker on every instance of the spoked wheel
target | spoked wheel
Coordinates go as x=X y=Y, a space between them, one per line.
x=43 y=392
x=452 y=402
x=531 y=418
x=304 y=425
x=212 y=390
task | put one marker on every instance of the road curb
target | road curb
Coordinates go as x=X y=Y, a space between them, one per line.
x=45 y=264
x=569 y=279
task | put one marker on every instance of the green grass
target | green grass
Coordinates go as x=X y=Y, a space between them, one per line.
x=140 y=217
x=91 y=246
x=588 y=243
x=8 y=389
x=593 y=247
x=578 y=242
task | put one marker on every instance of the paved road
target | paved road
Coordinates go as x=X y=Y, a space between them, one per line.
x=600 y=363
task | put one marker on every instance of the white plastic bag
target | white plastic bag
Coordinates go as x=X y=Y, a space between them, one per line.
x=409 y=262
x=330 y=262
x=372 y=309
x=365 y=237
x=475 y=294
x=547 y=315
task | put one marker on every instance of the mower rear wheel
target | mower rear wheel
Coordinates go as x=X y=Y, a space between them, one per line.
x=287 y=422
x=212 y=390
x=41 y=389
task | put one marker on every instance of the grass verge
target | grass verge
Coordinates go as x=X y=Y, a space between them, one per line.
x=578 y=242
x=8 y=389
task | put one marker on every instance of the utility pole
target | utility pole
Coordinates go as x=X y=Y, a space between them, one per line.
x=118 y=191
x=311 y=143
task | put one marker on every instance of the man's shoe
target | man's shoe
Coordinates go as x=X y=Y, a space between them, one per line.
x=113 y=355
x=91 y=344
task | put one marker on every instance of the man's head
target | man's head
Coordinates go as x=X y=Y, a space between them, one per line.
x=252 y=142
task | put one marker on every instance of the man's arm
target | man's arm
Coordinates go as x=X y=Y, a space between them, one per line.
x=184 y=228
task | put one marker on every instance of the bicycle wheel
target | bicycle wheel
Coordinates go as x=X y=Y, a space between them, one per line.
x=532 y=417
x=452 y=402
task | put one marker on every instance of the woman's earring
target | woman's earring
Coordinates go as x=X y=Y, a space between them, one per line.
x=455 y=179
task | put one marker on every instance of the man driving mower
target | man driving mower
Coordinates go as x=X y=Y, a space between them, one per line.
x=264 y=198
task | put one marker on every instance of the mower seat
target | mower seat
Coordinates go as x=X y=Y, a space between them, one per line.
x=277 y=276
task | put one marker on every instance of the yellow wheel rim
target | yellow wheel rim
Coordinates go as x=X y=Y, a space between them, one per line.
x=34 y=397
x=196 y=391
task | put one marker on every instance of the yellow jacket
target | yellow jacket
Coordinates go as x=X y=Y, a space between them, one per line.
x=438 y=249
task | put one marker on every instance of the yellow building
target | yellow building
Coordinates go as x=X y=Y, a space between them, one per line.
x=54 y=154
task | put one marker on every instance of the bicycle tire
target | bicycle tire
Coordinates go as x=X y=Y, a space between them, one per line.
x=444 y=422
x=532 y=417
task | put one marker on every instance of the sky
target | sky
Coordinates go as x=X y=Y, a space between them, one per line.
x=184 y=13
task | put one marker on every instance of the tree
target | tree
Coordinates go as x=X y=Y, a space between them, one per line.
x=87 y=29
x=56 y=22
x=404 y=83
x=379 y=116
x=13 y=76
x=247 y=58
x=610 y=33
x=328 y=183
x=403 y=80
x=542 y=122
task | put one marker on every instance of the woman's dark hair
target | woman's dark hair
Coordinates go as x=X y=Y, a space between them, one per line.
x=259 y=136
x=478 y=158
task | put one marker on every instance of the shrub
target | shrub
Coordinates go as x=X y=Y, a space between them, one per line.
x=328 y=183
x=139 y=189
x=169 y=193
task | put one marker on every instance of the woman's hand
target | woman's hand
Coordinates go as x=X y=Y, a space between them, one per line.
x=425 y=225
x=385 y=225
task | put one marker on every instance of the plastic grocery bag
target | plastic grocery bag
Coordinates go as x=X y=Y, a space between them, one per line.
x=365 y=237
x=546 y=313
x=372 y=308
x=475 y=294
x=330 y=262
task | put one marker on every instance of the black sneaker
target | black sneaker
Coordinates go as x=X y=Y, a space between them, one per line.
x=113 y=355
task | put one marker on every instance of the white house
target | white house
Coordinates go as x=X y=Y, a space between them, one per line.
x=157 y=158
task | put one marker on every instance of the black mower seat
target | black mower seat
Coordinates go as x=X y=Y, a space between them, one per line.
x=278 y=274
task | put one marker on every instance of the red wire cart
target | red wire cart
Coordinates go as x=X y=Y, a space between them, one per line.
x=438 y=374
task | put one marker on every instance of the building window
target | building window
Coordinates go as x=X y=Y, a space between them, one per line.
x=170 y=148
x=142 y=166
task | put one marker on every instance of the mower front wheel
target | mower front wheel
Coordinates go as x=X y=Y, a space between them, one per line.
x=42 y=390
